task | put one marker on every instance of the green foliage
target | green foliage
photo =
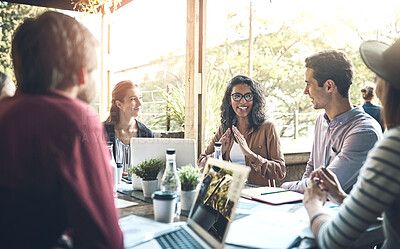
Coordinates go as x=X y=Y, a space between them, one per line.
x=215 y=92
x=189 y=177
x=170 y=71
x=96 y=6
x=11 y=16
x=148 y=169
x=174 y=96
x=279 y=50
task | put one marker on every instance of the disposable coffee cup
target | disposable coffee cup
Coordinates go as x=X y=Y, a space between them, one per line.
x=164 y=205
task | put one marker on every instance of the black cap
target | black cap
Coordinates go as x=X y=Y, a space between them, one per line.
x=170 y=151
x=160 y=195
x=218 y=144
x=382 y=59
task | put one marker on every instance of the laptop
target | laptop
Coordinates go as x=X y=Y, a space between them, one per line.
x=210 y=216
x=149 y=148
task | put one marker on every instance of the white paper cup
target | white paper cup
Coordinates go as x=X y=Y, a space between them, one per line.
x=164 y=205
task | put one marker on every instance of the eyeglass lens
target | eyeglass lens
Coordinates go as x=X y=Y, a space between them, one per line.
x=238 y=96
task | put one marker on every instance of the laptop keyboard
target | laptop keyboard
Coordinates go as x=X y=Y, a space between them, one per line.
x=178 y=239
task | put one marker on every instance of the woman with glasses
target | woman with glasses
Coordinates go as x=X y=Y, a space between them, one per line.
x=122 y=124
x=247 y=137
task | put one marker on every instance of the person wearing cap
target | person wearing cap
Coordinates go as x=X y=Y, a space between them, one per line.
x=344 y=134
x=377 y=190
x=368 y=94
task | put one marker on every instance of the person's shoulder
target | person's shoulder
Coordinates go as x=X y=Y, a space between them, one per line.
x=109 y=126
x=145 y=131
x=267 y=124
x=362 y=122
x=389 y=145
x=267 y=127
x=360 y=117
x=71 y=112
x=393 y=133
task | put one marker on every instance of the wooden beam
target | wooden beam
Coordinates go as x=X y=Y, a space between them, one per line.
x=105 y=68
x=195 y=88
x=57 y=4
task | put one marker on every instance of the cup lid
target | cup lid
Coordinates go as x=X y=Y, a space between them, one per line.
x=160 y=195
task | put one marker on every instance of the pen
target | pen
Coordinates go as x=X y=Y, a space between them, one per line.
x=278 y=191
x=327 y=163
x=324 y=168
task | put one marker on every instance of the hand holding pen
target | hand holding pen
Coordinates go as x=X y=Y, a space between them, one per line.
x=329 y=182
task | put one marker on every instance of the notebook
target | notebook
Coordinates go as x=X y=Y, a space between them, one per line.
x=271 y=195
x=210 y=216
x=149 y=148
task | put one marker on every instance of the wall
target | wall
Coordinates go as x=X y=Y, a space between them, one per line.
x=295 y=164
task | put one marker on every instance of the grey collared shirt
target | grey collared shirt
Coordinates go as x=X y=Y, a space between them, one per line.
x=344 y=142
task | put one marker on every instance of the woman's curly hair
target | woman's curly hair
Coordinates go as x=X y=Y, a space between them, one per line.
x=257 y=114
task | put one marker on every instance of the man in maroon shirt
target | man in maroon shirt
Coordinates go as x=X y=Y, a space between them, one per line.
x=55 y=175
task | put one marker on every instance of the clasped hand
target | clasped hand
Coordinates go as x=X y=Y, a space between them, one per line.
x=324 y=182
x=239 y=139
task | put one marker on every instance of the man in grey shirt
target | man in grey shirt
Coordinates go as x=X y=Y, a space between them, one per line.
x=343 y=134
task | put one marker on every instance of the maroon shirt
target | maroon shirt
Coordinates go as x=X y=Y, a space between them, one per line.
x=55 y=174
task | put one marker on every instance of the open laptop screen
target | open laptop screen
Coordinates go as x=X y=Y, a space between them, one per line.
x=215 y=204
x=149 y=148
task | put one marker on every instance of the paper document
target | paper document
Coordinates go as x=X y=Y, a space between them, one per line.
x=267 y=229
x=119 y=203
x=137 y=229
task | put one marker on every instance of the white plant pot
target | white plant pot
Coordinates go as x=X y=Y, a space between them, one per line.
x=187 y=198
x=149 y=187
x=136 y=182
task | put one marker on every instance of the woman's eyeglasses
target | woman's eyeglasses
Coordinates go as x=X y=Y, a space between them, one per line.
x=238 y=97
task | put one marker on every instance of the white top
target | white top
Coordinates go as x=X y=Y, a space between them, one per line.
x=236 y=154
x=122 y=154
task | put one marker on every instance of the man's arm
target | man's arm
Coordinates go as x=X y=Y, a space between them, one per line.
x=88 y=193
x=351 y=157
x=301 y=185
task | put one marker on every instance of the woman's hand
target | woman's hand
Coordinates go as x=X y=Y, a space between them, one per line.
x=241 y=142
x=314 y=196
x=314 y=199
x=225 y=140
x=330 y=183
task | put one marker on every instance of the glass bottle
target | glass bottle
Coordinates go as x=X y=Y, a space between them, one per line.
x=114 y=170
x=170 y=181
x=217 y=150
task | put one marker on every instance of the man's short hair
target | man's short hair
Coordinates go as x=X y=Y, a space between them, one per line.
x=334 y=65
x=49 y=51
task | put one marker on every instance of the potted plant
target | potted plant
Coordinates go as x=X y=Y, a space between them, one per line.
x=148 y=171
x=190 y=178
